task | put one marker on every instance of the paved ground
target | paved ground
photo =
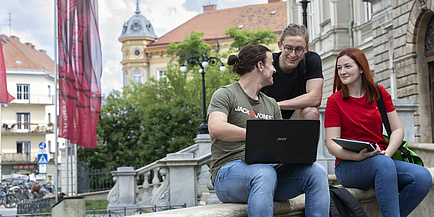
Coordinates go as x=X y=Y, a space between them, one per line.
x=7 y=211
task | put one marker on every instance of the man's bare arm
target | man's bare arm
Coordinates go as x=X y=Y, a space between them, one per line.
x=312 y=97
x=220 y=129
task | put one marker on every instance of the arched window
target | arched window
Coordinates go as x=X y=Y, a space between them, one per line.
x=137 y=76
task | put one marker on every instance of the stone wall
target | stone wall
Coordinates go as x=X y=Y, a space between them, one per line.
x=399 y=28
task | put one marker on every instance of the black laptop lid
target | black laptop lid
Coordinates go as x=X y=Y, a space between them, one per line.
x=282 y=141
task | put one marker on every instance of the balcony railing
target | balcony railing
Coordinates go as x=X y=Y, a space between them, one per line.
x=13 y=157
x=35 y=99
x=23 y=157
x=28 y=128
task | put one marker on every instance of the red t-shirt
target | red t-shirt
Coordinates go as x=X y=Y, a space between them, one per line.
x=357 y=119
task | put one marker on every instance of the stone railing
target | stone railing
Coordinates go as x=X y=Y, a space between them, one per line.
x=176 y=180
x=15 y=157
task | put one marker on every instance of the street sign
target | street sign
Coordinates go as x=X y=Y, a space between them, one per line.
x=42 y=159
x=42 y=145
x=42 y=168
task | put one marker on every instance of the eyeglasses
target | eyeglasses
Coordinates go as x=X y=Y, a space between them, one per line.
x=289 y=50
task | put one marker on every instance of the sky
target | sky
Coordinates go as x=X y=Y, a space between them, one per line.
x=33 y=21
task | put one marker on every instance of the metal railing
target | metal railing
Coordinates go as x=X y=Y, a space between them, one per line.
x=108 y=213
x=42 y=128
x=91 y=180
x=34 y=206
x=38 y=99
x=125 y=211
x=31 y=215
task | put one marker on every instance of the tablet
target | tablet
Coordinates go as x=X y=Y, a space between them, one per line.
x=355 y=145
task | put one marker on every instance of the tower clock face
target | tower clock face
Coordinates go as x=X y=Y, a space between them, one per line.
x=136 y=52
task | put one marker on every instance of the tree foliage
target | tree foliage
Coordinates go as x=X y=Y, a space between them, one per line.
x=245 y=37
x=192 y=46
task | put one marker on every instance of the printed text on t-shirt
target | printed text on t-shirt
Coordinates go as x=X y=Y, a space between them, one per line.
x=252 y=113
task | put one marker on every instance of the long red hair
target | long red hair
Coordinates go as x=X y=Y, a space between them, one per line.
x=367 y=78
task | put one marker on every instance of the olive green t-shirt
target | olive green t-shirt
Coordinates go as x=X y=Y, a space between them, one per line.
x=239 y=107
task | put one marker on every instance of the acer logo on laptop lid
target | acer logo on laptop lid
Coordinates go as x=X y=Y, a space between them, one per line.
x=282 y=141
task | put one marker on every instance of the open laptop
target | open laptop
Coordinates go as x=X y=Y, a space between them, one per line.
x=282 y=141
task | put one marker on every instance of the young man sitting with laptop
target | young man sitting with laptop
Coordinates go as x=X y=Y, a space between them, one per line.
x=256 y=184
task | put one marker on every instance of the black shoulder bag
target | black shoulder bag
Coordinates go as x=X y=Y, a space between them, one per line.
x=403 y=153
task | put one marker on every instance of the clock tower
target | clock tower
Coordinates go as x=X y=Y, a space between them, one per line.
x=137 y=32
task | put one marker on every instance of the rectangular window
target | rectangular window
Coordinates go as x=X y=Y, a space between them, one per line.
x=49 y=93
x=368 y=11
x=49 y=146
x=137 y=76
x=23 y=92
x=312 y=26
x=49 y=117
x=161 y=74
x=24 y=147
x=23 y=121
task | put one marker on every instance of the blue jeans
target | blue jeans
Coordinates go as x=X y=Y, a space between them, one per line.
x=388 y=177
x=258 y=184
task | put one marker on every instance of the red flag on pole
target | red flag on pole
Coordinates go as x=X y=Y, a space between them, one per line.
x=80 y=69
x=5 y=97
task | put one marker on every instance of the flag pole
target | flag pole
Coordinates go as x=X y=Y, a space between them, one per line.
x=56 y=163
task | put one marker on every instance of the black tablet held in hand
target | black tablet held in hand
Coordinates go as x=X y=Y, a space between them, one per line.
x=355 y=145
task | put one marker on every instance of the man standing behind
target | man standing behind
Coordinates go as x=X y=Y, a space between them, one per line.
x=298 y=80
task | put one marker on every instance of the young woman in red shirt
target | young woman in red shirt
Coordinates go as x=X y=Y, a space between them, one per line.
x=352 y=113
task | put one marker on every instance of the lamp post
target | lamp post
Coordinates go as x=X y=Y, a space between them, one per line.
x=304 y=7
x=203 y=128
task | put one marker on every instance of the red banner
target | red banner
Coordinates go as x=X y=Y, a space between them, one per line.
x=80 y=69
x=5 y=97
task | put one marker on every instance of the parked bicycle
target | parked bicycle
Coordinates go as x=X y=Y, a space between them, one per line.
x=7 y=197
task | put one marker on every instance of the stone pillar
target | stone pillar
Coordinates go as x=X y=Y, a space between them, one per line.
x=204 y=143
x=212 y=198
x=323 y=156
x=70 y=207
x=62 y=167
x=124 y=193
x=406 y=109
x=182 y=178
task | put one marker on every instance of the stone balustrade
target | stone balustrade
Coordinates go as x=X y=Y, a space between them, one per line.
x=175 y=180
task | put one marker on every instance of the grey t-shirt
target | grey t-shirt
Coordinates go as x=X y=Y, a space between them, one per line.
x=239 y=107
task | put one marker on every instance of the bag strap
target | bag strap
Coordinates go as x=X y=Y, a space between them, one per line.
x=351 y=205
x=382 y=109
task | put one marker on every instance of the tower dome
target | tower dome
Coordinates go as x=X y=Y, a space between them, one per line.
x=138 y=26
